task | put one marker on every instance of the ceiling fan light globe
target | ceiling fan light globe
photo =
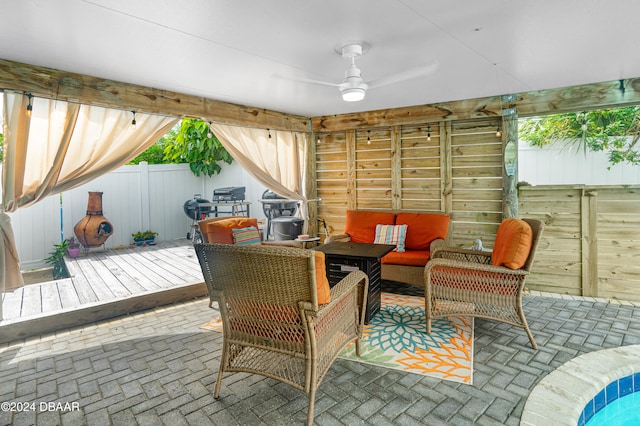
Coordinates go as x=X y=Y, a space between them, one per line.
x=353 y=94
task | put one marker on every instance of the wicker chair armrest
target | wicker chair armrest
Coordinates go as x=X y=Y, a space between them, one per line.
x=453 y=265
x=461 y=254
x=435 y=244
x=338 y=237
x=356 y=280
x=283 y=243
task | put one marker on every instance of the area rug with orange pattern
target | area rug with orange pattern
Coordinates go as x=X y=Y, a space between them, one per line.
x=395 y=338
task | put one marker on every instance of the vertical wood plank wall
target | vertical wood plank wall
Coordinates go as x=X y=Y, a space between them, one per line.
x=591 y=242
x=453 y=167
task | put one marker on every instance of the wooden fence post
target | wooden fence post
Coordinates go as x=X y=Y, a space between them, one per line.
x=510 y=163
x=351 y=170
x=311 y=188
x=589 y=231
x=396 y=169
x=446 y=183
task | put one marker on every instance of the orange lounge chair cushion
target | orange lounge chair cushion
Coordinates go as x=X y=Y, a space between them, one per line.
x=408 y=258
x=423 y=228
x=322 y=282
x=221 y=231
x=361 y=225
x=513 y=244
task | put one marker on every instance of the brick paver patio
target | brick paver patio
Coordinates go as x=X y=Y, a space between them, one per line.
x=159 y=367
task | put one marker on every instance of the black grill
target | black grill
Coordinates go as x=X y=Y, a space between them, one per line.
x=194 y=210
x=230 y=193
x=273 y=206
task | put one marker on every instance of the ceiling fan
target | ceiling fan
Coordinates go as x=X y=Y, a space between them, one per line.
x=353 y=88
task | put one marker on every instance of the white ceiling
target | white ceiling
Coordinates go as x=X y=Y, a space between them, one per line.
x=254 y=52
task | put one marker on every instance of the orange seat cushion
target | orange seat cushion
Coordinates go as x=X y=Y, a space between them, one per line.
x=322 y=282
x=221 y=231
x=423 y=228
x=361 y=224
x=513 y=244
x=408 y=258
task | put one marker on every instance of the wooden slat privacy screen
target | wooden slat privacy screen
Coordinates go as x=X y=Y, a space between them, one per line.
x=591 y=240
x=453 y=167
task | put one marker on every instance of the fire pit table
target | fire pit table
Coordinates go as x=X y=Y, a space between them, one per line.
x=341 y=258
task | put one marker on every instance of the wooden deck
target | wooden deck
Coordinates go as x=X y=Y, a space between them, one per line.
x=104 y=284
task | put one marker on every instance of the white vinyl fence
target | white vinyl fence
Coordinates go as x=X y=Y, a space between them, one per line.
x=135 y=198
x=564 y=165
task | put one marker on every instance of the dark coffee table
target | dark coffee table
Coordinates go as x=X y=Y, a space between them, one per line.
x=341 y=258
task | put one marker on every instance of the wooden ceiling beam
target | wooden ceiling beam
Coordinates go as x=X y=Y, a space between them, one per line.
x=552 y=101
x=54 y=84
x=72 y=87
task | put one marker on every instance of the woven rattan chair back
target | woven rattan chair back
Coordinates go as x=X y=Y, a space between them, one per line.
x=463 y=282
x=272 y=323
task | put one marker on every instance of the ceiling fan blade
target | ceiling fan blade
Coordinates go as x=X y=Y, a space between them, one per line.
x=405 y=75
x=320 y=82
x=306 y=80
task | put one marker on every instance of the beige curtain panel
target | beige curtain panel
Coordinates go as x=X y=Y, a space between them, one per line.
x=58 y=146
x=277 y=161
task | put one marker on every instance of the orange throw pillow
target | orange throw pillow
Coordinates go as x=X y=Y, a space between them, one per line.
x=221 y=231
x=322 y=283
x=361 y=224
x=513 y=244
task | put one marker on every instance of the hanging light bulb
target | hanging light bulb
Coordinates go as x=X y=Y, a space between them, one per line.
x=498 y=132
x=133 y=122
x=429 y=132
x=584 y=121
x=30 y=106
x=209 y=133
x=368 y=137
x=269 y=133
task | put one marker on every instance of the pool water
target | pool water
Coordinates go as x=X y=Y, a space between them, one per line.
x=622 y=411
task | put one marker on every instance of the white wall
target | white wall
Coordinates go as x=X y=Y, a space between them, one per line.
x=557 y=165
x=134 y=198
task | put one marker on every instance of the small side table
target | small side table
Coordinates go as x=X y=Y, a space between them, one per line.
x=313 y=240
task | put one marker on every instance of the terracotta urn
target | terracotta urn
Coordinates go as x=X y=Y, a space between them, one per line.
x=93 y=229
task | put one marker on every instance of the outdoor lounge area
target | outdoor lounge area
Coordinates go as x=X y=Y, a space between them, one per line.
x=418 y=277
x=159 y=366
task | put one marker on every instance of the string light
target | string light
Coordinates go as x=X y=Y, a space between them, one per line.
x=368 y=137
x=209 y=133
x=429 y=132
x=269 y=133
x=133 y=122
x=29 y=106
x=498 y=132
x=584 y=121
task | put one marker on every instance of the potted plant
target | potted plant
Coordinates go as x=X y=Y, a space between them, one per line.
x=150 y=237
x=144 y=237
x=73 y=247
x=56 y=260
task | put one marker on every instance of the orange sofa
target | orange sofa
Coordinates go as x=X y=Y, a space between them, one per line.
x=424 y=232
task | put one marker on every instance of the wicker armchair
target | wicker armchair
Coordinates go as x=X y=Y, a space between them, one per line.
x=463 y=282
x=272 y=322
